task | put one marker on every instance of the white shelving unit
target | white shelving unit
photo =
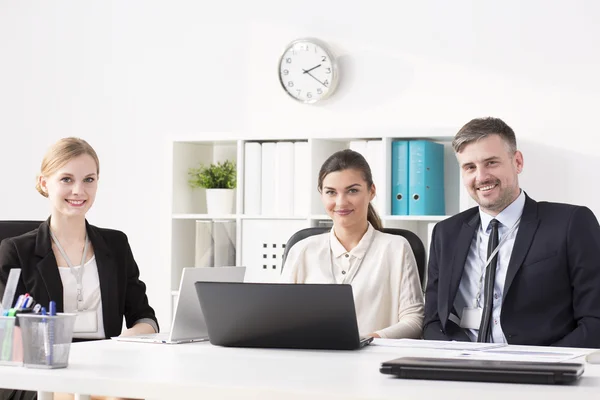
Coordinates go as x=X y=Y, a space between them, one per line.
x=260 y=239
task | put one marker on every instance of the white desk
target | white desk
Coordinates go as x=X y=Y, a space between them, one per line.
x=201 y=370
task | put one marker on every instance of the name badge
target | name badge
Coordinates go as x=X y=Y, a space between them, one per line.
x=86 y=322
x=471 y=318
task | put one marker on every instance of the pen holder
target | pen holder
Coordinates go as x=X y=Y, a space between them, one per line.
x=46 y=339
x=11 y=344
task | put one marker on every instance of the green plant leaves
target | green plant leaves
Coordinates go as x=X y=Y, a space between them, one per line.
x=214 y=176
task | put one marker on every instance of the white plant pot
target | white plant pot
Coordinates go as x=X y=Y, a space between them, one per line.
x=220 y=201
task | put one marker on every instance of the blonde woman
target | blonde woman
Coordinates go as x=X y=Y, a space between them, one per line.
x=83 y=268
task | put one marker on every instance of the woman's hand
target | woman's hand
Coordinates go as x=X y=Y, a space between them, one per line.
x=138 y=329
x=374 y=335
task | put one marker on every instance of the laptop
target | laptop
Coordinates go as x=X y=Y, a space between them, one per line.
x=275 y=315
x=483 y=370
x=188 y=322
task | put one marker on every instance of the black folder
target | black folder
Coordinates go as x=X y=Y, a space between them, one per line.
x=482 y=370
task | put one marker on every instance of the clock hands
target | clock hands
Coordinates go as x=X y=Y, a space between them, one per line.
x=312 y=76
x=306 y=71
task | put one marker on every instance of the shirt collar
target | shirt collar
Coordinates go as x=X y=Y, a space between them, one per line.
x=360 y=249
x=507 y=217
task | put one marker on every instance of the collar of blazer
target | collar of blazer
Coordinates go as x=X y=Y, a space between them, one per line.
x=48 y=268
x=43 y=243
x=527 y=228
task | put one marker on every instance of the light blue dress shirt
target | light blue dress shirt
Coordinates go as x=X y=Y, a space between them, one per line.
x=471 y=282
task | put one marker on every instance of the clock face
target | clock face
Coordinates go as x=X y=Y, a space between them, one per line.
x=307 y=71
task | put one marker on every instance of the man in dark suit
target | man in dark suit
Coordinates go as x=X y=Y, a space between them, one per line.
x=512 y=270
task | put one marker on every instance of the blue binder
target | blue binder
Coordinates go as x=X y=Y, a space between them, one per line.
x=400 y=177
x=426 y=178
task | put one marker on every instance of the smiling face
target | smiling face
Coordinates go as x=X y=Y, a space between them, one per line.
x=72 y=188
x=490 y=173
x=346 y=196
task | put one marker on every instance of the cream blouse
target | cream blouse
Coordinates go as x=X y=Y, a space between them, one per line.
x=386 y=286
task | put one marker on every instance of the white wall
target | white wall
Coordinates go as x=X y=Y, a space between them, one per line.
x=126 y=75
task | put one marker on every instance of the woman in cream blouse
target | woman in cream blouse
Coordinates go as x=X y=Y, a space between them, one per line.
x=380 y=267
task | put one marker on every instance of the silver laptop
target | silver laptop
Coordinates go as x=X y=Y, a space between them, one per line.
x=188 y=321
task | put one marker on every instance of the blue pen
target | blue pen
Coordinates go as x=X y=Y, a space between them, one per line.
x=51 y=332
x=45 y=331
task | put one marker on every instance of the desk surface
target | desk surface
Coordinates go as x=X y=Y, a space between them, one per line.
x=197 y=370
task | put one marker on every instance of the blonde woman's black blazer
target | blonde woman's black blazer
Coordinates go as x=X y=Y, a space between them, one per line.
x=123 y=293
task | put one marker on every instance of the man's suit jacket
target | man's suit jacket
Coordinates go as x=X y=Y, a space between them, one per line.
x=123 y=294
x=552 y=288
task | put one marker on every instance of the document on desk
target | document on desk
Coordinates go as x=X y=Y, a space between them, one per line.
x=487 y=351
x=535 y=354
x=436 y=344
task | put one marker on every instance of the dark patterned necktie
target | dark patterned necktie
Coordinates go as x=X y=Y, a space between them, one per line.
x=485 y=329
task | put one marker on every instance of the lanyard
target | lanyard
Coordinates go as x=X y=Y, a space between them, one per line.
x=477 y=301
x=78 y=276
x=351 y=274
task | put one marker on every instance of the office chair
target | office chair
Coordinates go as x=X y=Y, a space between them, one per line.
x=15 y=228
x=415 y=244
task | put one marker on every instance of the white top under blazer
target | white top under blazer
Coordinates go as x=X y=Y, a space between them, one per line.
x=92 y=298
x=387 y=290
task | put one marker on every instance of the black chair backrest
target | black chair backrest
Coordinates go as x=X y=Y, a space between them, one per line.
x=415 y=244
x=15 y=228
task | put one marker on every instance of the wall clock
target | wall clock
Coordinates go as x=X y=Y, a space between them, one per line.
x=308 y=70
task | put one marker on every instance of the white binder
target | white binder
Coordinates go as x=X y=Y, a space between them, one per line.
x=284 y=195
x=204 y=244
x=268 y=181
x=252 y=178
x=301 y=180
x=224 y=243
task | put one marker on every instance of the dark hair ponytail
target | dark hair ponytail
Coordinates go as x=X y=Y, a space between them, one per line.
x=374 y=218
x=350 y=159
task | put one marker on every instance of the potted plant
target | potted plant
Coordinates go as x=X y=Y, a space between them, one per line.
x=219 y=180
